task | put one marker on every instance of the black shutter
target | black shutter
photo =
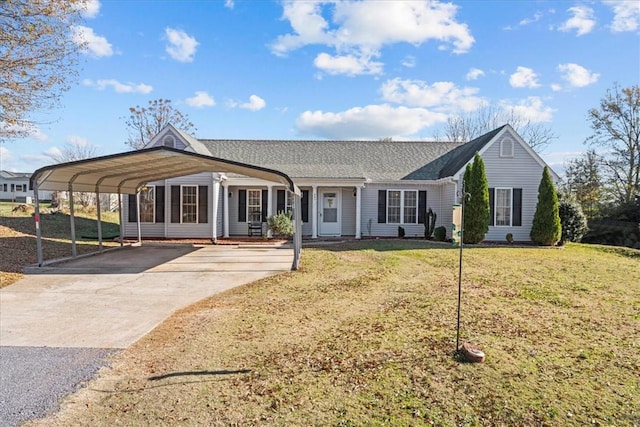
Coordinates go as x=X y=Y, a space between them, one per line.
x=305 y=205
x=422 y=206
x=133 y=208
x=265 y=204
x=159 y=203
x=492 y=192
x=203 y=204
x=517 y=207
x=175 y=203
x=382 y=206
x=242 y=205
x=281 y=202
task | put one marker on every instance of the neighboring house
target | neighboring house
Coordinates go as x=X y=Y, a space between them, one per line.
x=14 y=186
x=349 y=188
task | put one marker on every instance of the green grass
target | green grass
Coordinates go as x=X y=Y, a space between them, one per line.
x=364 y=334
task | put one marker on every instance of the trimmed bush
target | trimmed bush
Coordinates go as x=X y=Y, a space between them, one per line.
x=440 y=233
x=573 y=220
x=401 y=232
x=509 y=238
x=546 y=229
x=281 y=224
x=476 y=208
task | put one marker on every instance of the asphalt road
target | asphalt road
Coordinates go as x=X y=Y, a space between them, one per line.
x=34 y=379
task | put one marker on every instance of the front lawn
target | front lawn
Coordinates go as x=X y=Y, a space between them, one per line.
x=364 y=335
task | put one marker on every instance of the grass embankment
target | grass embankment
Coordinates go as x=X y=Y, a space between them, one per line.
x=364 y=335
x=18 y=236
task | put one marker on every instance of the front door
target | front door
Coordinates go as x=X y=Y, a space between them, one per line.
x=329 y=213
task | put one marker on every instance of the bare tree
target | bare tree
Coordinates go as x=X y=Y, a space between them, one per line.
x=37 y=58
x=145 y=122
x=78 y=150
x=616 y=127
x=584 y=181
x=464 y=128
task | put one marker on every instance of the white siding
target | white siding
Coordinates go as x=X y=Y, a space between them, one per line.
x=519 y=171
x=371 y=227
x=447 y=200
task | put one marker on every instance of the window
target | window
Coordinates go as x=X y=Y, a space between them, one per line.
x=4 y=187
x=506 y=148
x=410 y=207
x=402 y=207
x=503 y=207
x=189 y=205
x=148 y=204
x=254 y=205
x=393 y=206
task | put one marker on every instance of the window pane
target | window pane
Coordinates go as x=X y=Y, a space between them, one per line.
x=147 y=204
x=254 y=205
x=393 y=207
x=410 y=207
x=189 y=204
x=503 y=207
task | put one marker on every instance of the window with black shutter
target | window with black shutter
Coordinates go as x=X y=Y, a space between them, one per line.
x=382 y=206
x=305 y=205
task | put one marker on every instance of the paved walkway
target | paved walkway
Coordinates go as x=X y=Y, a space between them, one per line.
x=111 y=300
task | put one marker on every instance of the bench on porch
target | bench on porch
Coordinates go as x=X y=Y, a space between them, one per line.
x=255 y=228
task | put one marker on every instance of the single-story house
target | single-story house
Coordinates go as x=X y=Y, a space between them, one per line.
x=349 y=188
x=14 y=186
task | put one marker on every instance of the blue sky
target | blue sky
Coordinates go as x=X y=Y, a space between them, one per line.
x=339 y=69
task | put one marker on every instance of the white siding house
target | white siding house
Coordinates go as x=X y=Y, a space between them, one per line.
x=349 y=188
x=14 y=186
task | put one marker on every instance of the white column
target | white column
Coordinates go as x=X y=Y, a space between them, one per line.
x=215 y=195
x=314 y=212
x=225 y=219
x=358 y=211
x=269 y=206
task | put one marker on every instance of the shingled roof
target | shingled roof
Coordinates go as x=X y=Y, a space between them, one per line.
x=374 y=160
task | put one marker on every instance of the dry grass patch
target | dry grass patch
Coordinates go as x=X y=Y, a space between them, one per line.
x=364 y=335
x=18 y=241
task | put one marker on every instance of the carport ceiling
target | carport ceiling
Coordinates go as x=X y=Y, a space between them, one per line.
x=126 y=173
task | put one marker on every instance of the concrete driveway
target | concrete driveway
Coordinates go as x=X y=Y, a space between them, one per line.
x=111 y=300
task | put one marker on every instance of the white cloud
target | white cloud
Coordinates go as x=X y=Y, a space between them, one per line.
x=577 y=76
x=524 y=77
x=442 y=96
x=360 y=29
x=409 y=61
x=26 y=130
x=53 y=153
x=229 y=4
x=201 y=99
x=536 y=17
x=474 y=74
x=347 y=64
x=117 y=86
x=91 y=9
x=556 y=87
x=370 y=122
x=5 y=157
x=95 y=45
x=626 y=15
x=530 y=109
x=181 y=46
x=582 y=20
x=78 y=141
x=255 y=103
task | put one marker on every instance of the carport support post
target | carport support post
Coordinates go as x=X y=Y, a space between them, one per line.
x=99 y=220
x=297 y=232
x=36 y=216
x=121 y=215
x=72 y=221
x=138 y=218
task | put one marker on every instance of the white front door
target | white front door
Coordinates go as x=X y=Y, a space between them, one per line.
x=330 y=213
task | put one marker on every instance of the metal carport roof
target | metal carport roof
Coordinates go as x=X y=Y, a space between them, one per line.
x=127 y=173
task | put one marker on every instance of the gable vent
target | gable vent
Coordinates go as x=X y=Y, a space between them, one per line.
x=506 y=148
x=169 y=141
